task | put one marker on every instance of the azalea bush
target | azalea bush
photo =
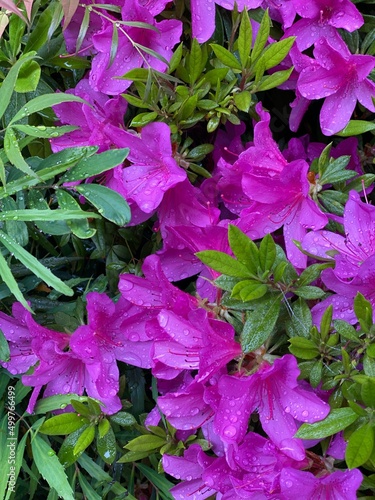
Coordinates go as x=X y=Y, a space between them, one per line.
x=187 y=240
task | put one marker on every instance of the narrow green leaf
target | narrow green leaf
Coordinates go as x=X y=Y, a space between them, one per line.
x=7 y=87
x=243 y=101
x=35 y=266
x=223 y=263
x=260 y=322
x=145 y=443
x=113 y=46
x=80 y=227
x=46 y=215
x=245 y=38
x=106 y=445
x=262 y=37
x=96 y=471
x=8 y=278
x=303 y=348
x=50 y=468
x=244 y=249
x=363 y=311
x=347 y=331
x=195 y=61
x=267 y=253
x=337 y=420
x=360 y=446
x=276 y=52
x=4 y=348
x=271 y=81
x=158 y=480
x=87 y=489
x=13 y=152
x=60 y=401
x=96 y=164
x=44 y=132
x=109 y=203
x=226 y=57
x=309 y=292
x=300 y=321
x=62 y=424
x=84 y=440
x=249 y=290
x=83 y=29
x=356 y=127
x=45 y=101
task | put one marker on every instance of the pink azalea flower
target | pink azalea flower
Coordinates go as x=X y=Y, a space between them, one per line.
x=19 y=337
x=321 y=18
x=153 y=170
x=107 y=336
x=340 y=485
x=283 y=11
x=128 y=56
x=275 y=393
x=91 y=120
x=340 y=78
x=203 y=15
x=351 y=250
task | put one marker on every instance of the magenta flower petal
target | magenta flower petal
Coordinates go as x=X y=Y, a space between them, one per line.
x=339 y=485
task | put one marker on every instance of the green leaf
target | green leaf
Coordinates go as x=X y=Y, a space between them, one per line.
x=195 y=61
x=51 y=403
x=34 y=265
x=143 y=119
x=13 y=152
x=223 y=263
x=50 y=468
x=267 y=253
x=363 y=311
x=311 y=273
x=109 y=203
x=262 y=37
x=46 y=215
x=249 y=290
x=28 y=77
x=95 y=165
x=8 y=278
x=226 y=57
x=325 y=323
x=276 y=52
x=300 y=321
x=62 y=424
x=81 y=227
x=45 y=101
x=243 y=101
x=45 y=132
x=360 y=446
x=356 y=127
x=303 y=348
x=66 y=451
x=176 y=58
x=40 y=32
x=260 y=323
x=96 y=471
x=309 y=292
x=146 y=442
x=84 y=440
x=51 y=166
x=7 y=87
x=113 y=46
x=158 y=480
x=336 y=421
x=123 y=418
x=347 y=331
x=244 y=249
x=245 y=38
x=86 y=487
x=271 y=81
x=4 y=348
x=106 y=445
x=368 y=392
